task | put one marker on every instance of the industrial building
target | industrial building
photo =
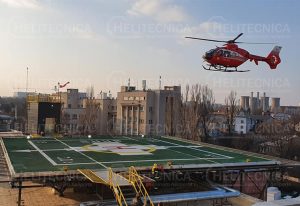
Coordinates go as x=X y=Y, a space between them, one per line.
x=257 y=104
x=148 y=111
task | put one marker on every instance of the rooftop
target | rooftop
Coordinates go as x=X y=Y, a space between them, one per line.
x=53 y=155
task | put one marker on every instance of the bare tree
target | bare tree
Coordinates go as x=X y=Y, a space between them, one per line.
x=90 y=115
x=231 y=110
x=196 y=108
x=65 y=121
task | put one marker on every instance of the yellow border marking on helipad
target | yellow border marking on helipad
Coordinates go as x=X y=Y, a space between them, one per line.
x=88 y=148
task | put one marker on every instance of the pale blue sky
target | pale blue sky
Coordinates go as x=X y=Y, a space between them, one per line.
x=103 y=43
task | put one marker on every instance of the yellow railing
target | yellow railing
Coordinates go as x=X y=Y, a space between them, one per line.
x=91 y=176
x=113 y=183
x=137 y=182
x=112 y=180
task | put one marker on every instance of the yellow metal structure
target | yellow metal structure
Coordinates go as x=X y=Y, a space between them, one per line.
x=113 y=184
x=137 y=182
x=92 y=176
x=113 y=181
x=44 y=98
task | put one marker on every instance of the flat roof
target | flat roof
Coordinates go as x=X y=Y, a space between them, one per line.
x=52 y=155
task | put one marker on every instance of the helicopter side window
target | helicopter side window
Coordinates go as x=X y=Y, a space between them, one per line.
x=220 y=53
x=210 y=52
x=226 y=54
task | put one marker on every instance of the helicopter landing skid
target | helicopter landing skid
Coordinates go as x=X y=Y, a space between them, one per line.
x=222 y=69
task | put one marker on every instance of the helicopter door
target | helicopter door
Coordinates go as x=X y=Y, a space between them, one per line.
x=226 y=53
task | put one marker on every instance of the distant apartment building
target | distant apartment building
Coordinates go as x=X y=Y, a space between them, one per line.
x=148 y=112
x=87 y=115
x=72 y=109
x=244 y=123
x=104 y=111
x=291 y=110
x=23 y=94
x=218 y=124
x=71 y=113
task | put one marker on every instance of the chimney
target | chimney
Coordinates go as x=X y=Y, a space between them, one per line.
x=257 y=101
x=251 y=103
x=128 y=84
x=264 y=103
x=159 y=82
x=144 y=85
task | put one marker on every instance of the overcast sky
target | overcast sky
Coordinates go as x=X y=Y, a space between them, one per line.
x=105 y=42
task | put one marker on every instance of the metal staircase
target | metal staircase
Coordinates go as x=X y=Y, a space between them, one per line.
x=137 y=182
x=117 y=181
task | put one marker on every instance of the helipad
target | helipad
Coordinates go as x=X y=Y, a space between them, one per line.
x=54 y=155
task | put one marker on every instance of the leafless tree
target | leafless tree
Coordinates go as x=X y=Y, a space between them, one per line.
x=231 y=110
x=90 y=115
x=196 y=107
x=65 y=120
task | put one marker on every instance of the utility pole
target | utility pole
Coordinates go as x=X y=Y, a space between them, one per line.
x=26 y=81
x=27 y=105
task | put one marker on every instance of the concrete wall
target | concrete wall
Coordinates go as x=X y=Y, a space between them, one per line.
x=32 y=117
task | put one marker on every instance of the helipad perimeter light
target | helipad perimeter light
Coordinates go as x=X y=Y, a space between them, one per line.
x=28 y=137
x=89 y=136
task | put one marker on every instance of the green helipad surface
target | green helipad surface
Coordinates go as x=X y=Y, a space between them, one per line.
x=51 y=154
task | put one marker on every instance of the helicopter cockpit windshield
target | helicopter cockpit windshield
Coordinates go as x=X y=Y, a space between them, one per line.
x=209 y=54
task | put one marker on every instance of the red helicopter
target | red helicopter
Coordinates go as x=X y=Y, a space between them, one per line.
x=230 y=56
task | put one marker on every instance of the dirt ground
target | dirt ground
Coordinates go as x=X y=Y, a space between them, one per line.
x=41 y=196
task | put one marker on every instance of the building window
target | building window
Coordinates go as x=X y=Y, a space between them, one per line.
x=141 y=108
x=135 y=108
x=242 y=127
x=242 y=121
x=74 y=116
x=150 y=121
x=150 y=109
x=141 y=121
x=69 y=106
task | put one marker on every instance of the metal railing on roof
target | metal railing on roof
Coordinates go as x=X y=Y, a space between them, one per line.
x=43 y=98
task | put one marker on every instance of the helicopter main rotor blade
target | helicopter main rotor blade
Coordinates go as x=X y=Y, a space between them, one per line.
x=188 y=37
x=238 y=36
x=230 y=41
x=240 y=42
